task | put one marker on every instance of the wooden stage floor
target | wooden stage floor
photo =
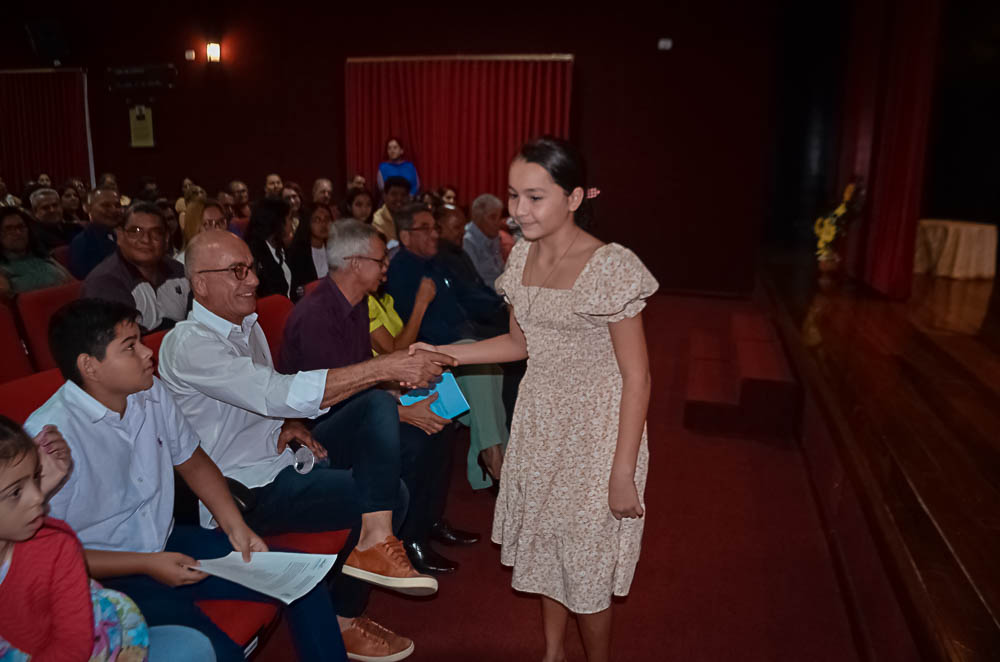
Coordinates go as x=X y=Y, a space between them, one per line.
x=911 y=394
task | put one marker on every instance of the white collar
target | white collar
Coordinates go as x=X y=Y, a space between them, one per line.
x=94 y=410
x=223 y=327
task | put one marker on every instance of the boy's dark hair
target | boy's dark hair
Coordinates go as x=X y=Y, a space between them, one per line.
x=85 y=326
x=14 y=442
x=397 y=182
x=404 y=217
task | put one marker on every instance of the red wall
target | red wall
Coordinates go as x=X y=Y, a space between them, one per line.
x=679 y=142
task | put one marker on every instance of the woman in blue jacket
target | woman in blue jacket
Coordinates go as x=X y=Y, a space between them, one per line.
x=397 y=166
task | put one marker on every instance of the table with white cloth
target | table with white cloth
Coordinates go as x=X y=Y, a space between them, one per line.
x=956 y=249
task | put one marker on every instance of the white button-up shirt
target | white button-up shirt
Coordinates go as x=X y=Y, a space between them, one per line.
x=484 y=252
x=120 y=494
x=223 y=379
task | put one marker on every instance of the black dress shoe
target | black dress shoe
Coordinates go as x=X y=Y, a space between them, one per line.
x=443 y=532
x=426 y=560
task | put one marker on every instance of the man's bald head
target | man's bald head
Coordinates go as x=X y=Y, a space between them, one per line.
x=214 y=262
x=322 y=193
x=204 y=249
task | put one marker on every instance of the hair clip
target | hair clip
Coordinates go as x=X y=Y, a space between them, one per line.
x=593 y=193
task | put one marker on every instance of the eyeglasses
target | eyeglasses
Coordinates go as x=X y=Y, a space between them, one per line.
x=214 y=224
x=240 y=271
x=15 y=229
x=384 y=261
x=136 y=233
x=425 y=228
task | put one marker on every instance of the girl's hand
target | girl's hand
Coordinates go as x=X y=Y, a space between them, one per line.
x=54 y=457
x=422 y=345
x=623 y=498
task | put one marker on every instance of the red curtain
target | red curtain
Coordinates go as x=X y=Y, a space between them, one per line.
x=460 y=120
x=43 y=126
x=887 y=110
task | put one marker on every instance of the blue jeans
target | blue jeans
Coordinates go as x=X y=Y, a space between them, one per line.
x=311 y=619
x=175 y=642
x=363 y=432
x=361 y=435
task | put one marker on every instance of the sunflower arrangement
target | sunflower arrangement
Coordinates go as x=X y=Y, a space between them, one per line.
x=828 y=228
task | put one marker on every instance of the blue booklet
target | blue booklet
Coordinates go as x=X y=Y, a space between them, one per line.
x=450 y=402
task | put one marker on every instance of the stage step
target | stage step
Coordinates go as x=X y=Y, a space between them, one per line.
x=752 y=326
x=707 y=345
x=742 y=385
x=712 y=381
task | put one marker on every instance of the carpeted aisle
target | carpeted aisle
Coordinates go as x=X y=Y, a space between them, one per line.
x=734 y=564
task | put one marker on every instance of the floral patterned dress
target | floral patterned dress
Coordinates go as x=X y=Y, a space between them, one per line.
x=552 y=516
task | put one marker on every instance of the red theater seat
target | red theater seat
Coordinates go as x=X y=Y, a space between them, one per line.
x=246 y=623
x=14 y=361
x=272 y=313
x=20 y=397
x=326 y=542
x=61 y=255
x=312 y=286
x=36 y=309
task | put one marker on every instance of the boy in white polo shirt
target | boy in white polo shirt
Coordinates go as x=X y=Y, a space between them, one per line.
x=127 y=436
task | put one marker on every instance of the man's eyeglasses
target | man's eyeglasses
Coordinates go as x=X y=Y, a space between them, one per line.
x=240 y=271
x=383 y=261
x=424 y=228
x=136 y=233
x=15 y=229
x=214 y=224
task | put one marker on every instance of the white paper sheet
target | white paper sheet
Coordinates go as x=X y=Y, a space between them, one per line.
x=283 y=575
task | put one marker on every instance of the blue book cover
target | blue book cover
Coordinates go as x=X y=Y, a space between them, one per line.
x=450 y=402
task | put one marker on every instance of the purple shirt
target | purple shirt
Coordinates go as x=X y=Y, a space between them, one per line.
x=325 y=331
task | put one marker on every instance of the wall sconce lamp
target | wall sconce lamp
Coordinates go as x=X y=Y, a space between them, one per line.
x=213 y=51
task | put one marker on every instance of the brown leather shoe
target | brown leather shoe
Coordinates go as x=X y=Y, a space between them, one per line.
x=387 y=565
x=368 y=641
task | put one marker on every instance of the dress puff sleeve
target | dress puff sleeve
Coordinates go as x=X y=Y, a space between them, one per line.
x=512 y=273
x=615 y=286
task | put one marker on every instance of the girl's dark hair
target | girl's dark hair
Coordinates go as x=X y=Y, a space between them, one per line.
x=79 y=214
x=566 y=167
x=14 y=441
x=35 y=245
x=436 y=200
x=398 y=141
x=267 y=222
x=352 y=195
x=303 y=233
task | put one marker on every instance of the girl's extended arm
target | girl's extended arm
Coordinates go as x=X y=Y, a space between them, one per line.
x=509 y=347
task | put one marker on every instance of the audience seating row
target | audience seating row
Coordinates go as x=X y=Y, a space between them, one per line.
x=31 y=312
x=24 y=328
x=21 y=392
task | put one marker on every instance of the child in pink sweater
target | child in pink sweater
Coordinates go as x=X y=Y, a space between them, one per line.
x=51 y=609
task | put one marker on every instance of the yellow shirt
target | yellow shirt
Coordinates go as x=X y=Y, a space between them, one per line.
x=383 y=223
x=381 y=312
